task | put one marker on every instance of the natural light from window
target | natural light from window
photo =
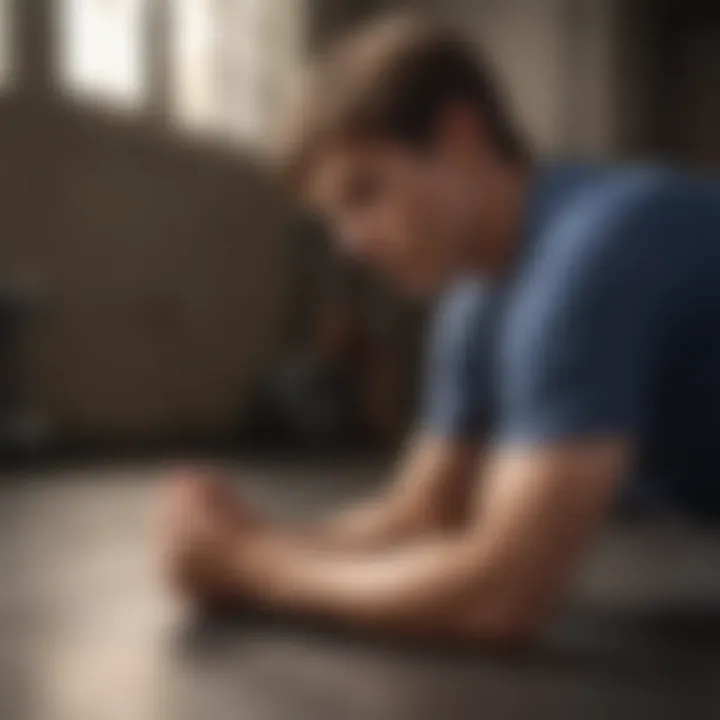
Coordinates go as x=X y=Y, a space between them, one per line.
x=227 y=60
x=6 y=42
x=230 y=60
x=102 y=50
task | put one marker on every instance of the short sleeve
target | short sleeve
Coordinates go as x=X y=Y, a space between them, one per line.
x=581 y=331
x=456 y=398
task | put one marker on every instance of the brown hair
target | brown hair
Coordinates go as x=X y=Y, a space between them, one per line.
x=391 y=79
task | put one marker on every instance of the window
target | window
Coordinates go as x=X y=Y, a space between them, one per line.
x=101 y=49
x=6 y=42
x=227 y=60
x=230 y=60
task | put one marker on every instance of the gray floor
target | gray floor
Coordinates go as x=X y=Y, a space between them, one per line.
x=88 y=635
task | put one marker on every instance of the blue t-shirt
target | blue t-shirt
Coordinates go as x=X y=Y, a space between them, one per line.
x=610 y=326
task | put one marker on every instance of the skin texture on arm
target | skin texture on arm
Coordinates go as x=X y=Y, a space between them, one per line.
x=494 y=580
x=201 y=517
x=429 y=494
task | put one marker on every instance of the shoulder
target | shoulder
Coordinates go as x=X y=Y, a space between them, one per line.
x=622 y=209
x=608 y=252
x=623 y=224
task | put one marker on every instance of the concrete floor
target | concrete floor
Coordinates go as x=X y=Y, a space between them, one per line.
x=86 y=633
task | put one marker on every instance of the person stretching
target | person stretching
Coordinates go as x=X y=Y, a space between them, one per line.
x=575 y=350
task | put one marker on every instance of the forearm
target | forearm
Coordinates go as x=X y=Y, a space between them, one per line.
x=430 y=494
x=365 y=529
x=377 y=524
x=441 y=587
x=494 y=578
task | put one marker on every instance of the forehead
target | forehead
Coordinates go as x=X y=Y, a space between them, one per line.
x=338 y=166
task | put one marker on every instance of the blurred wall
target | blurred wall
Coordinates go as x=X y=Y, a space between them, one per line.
x=694 y=134
x=164 y=264
x=164 y=270
x=557 y=61
x=679 y=104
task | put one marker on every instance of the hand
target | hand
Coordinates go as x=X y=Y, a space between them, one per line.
x=204 y=527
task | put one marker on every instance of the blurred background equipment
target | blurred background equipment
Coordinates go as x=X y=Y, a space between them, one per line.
x=21 y=424
x=311 y=399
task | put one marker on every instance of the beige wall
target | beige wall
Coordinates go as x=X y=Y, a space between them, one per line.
x=168 y=267
x=165 y=270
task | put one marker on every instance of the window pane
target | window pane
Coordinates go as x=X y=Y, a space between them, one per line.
x=229 y=58
x=102 y=49
x=194 y=35
x=6 y=42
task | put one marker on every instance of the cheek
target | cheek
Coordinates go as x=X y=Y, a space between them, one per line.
x=389 y=223
x=424 y=226
x=431 y=241
x=411 y=215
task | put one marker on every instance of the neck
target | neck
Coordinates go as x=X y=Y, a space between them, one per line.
x=504 y=199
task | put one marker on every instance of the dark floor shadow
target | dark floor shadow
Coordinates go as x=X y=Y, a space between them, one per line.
x=209 y=630
x=639 y=648
x=675 y=645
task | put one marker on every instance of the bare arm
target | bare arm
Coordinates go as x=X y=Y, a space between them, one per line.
x=495 y=580
x=430 y=493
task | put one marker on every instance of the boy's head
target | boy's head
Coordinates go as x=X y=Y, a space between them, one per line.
x=397 y=139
